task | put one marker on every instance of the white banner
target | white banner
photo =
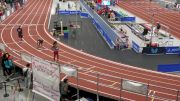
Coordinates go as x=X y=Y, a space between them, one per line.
x=46 y=79
x=2 y=47
x=26 y=57
x=68 y=70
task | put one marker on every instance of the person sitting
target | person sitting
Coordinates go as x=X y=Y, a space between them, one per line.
x=117 y=43
x=71 y=24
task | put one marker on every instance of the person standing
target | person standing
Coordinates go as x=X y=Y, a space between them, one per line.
x=55 y=50
x=28 y=76
x=1 y=56
x=7 y=64
x=64 y=90
x=158 y=27
x=20 y=32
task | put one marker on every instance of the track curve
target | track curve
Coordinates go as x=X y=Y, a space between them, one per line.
x=34 y=20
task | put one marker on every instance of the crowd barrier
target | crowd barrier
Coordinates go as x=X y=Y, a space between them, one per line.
x=106 y=31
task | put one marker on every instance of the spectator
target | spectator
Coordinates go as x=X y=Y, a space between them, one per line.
x=10 y=2
x=121 y=31
x=7 y=64
x=28 y=76
x=21 y=3
x=64 y=90
x=80 y=8
x=20 y=32
x=71 y=24
x=55 y=50
x=69 y=6
x=1 y=11
x=158 y=27
x=1 y=55
x=117 y=43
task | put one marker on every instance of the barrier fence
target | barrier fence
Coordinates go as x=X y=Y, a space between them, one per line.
x=106 y=31
x=119 y=86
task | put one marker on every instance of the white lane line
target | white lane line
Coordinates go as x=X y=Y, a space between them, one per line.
x=113 y=84
x=64 y=78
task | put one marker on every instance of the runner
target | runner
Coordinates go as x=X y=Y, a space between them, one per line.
x=40 y=42
x=55 y=50
x=20 y=33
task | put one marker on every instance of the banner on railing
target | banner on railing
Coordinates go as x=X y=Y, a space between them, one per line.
x=105 y=30
x=84 y=15
x=67 y=12
x=135 y=47
x=46 y=79
x=104 y=34
x=68 y=70
x=26 y=57
x=154 y=50
x=2 y=47
x=128 y=19
x=172 y=50
x=135 y=87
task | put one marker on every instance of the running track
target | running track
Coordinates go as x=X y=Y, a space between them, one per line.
x=35 y=17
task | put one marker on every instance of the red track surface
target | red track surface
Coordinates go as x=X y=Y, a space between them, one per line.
x=145 y=9
x=34 y=18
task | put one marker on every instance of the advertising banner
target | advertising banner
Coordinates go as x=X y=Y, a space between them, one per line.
x=172 y=50
x=67 y=12
x=154 y=50
x=84 y=15
x=46 y=79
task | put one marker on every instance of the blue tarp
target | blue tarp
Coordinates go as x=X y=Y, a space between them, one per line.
x=168 y=67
